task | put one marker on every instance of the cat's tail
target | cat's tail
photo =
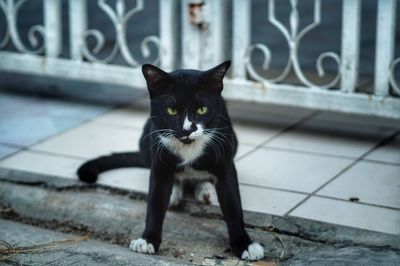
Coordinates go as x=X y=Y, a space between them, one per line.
x=89 y=171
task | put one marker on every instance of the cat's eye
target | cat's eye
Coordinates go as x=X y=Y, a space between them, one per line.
x=172 y=111
x=202 y=110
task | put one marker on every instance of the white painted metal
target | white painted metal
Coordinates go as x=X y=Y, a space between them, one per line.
x=11 y=10
x=293 y=37
x=168 y=34
x=119 y=16
x=204 y=33
x=285 y=94
x=77 y=27
x=52 y=26
x=350 y=44
x=392 y=80
x=214 y=34
x=192 y=38
x=203 y=40
x=385 y=42
x=70 y=69
x=241 y=27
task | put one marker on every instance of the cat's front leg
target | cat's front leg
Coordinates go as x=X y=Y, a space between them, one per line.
x=229 y=198
x=161 y=182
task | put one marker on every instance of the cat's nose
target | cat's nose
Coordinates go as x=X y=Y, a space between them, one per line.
x=188 y=126
x=189 y=130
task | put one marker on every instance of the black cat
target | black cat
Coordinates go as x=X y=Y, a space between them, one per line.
x=188 y=132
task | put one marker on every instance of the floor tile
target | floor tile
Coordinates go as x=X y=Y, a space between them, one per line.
x=390 y=152
x=40 y=163
x=288 y=170
x=369 y=182
x=25 y=120
x=243 y=149
x=252 y=134
x=350 y=214
x=6 y=150
x=268 y=200
x=332 y=137
x=126 y=116
x=134 y=179
x=92 y=139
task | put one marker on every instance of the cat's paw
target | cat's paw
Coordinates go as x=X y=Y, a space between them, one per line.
x=142 y=246
x=205 y=193
x=253 y=252
x=176 y=196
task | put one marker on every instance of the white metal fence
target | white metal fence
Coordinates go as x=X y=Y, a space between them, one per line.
x=202 y=43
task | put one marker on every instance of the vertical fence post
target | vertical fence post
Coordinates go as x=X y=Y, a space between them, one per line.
x=191 y=37
x=241 y=36
x=350 y=44
x=203 y=33
x=385 y=34
x=77 y=27
x=168 y=34
x=214 y=35
x=52 y=25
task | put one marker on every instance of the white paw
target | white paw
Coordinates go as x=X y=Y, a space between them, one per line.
x=176 y=195
x=141 y=246
x=205 y=193
x=254 y=252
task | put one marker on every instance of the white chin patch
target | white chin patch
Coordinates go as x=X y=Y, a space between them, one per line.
x=141 y=246
x=254 y=252
x=187 y=152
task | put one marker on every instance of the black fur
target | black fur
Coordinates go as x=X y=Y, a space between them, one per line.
x=185 y=90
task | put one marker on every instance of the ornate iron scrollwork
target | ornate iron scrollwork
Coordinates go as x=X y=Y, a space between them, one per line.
x=293 y=37
x=119 y=17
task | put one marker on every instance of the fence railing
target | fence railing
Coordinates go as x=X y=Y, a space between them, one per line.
x=202 y=43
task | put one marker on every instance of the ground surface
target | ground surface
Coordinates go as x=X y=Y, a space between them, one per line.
x=194 y=234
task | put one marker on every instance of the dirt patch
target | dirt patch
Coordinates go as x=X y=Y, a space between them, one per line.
x=67 y=227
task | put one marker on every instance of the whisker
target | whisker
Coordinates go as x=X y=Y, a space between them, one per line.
x=227 y=119
x=155 y=131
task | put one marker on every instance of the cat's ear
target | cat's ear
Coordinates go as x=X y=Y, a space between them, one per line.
x=216 y=75
x=154 y=77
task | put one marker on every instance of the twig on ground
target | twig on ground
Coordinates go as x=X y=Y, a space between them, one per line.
x=282 y=243
x=7 y=251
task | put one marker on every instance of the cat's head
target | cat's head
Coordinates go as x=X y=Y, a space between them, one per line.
x=185 y=102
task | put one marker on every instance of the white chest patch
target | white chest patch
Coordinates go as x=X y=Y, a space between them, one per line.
x=190 y=173
x=186 y=152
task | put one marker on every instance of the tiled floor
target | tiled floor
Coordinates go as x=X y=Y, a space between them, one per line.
x=330 y=167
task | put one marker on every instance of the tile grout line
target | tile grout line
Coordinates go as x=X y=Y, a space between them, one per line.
x=329 y=155
x=119 y=125
x=274 y=188
x=286 y=129
x=379 y=144
x=310 y=152
x=320 y=196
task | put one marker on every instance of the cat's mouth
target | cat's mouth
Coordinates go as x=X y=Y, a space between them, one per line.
x=186 y=140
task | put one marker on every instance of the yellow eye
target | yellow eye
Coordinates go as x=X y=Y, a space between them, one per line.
x=202 y=110
x=172 y=111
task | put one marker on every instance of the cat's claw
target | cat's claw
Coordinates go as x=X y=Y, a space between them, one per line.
x=141 y=246
x=253 y=252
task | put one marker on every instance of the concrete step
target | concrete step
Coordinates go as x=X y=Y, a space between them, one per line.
x=47 y=248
